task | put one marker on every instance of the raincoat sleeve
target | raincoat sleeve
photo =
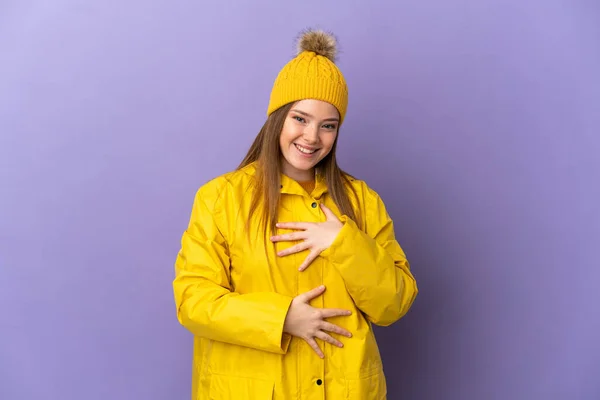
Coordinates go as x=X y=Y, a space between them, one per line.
x=206 y=304
x=373 y=265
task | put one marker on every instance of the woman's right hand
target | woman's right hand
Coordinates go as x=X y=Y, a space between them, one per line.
x=307 y=322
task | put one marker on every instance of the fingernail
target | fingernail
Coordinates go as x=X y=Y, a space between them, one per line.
x=340 y=345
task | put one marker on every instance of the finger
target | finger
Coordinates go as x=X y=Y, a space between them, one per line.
x=311 y=294
x=328 y=213
x=312 y=343
x=294 y=249
x=293 y=225
x=329 y=327
x=334 y=312
x=309 y=259
x=289 y=237
x=327 y=338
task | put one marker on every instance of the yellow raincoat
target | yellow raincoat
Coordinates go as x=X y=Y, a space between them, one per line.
x=234 y=297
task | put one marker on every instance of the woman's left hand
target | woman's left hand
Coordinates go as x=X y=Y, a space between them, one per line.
x=316 y=236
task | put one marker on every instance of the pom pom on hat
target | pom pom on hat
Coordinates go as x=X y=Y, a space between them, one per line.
x=319 y=42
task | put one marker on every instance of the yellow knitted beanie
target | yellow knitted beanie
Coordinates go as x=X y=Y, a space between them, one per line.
x=312 y=74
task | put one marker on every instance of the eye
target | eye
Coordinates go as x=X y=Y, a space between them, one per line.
x=329 y=126
x=299 y=119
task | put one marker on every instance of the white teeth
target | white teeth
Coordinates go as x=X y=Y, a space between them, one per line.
x=305 y=151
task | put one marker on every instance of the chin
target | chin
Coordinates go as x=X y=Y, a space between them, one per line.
x=302 y=167
x=305 y=165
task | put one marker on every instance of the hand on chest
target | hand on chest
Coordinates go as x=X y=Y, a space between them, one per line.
x=287 y=260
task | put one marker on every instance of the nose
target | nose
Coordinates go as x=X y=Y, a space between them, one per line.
x=311 y=134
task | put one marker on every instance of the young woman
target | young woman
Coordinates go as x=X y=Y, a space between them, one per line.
x=288 y=261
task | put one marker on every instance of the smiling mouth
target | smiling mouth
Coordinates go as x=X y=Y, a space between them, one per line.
x=304 y=150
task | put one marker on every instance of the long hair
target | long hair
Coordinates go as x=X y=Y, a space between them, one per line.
x=266 y=152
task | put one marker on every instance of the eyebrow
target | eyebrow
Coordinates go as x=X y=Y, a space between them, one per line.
x=308 y=115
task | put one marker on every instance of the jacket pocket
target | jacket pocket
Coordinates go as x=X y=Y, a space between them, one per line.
x=224 y=387
x=372 y=387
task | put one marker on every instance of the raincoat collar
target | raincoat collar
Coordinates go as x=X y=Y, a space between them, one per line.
x=290 y=186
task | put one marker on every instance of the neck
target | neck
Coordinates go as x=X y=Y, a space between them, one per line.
x=299 y=175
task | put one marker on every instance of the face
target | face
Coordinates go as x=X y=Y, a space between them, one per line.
x=308 y=134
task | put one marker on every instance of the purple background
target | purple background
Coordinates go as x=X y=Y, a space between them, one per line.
x=477 y=121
